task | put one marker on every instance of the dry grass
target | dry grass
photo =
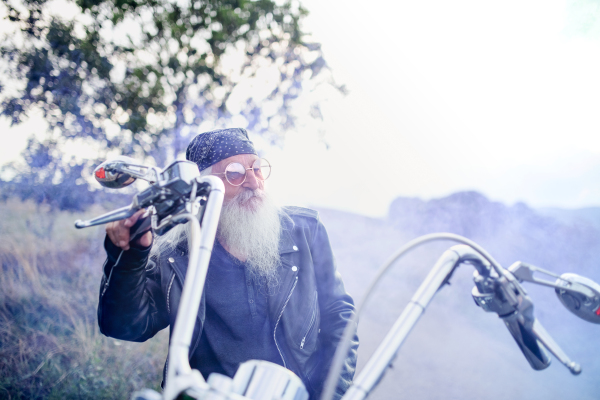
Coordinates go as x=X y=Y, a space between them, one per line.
x=50 y=345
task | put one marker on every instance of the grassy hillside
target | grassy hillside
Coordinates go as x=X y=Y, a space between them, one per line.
x=50 y=345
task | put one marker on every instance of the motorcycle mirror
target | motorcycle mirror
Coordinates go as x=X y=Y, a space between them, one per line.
x=585 y=307
x=111 y=173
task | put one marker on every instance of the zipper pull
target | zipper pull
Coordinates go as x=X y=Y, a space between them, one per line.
x=302 y=342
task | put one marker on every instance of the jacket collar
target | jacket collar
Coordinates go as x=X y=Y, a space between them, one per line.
x=286 y=242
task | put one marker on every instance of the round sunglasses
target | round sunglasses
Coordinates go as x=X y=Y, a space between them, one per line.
x=235 y=173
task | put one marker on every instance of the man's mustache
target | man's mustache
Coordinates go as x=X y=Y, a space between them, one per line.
x=248 y=194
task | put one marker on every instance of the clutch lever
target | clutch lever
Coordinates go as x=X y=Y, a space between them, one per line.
x=116 y=215
x=141 y=226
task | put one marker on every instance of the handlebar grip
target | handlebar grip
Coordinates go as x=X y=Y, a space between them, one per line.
x=141 y=226
x=527 y=341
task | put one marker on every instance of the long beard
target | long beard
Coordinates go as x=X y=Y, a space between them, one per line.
x=250 y=228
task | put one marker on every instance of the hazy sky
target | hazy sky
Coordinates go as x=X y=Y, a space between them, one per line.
x=499 y=97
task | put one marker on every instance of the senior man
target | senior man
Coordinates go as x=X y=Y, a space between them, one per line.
x=272 y=291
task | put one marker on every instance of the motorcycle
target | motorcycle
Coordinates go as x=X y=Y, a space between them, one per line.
x=178 y=194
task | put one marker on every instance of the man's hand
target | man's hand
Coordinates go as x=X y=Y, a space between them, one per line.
x=118 y=232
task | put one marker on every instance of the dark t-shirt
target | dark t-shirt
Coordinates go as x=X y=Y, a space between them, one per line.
x=236 y=326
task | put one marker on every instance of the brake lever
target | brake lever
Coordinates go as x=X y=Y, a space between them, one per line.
x=543 y=336
x=505 y=296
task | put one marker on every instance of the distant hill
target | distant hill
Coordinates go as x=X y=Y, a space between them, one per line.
x=458 y=351
x=550 y=237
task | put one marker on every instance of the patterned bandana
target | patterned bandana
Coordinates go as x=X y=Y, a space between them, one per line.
x=211 y=147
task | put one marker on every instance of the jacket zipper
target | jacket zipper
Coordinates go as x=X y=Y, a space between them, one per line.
x=278 y=318
x=312 y=322
x=169 y=293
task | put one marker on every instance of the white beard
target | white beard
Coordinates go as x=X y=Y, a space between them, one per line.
x=250 y=229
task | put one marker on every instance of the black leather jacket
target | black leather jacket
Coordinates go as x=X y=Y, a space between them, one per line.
x=140 y=295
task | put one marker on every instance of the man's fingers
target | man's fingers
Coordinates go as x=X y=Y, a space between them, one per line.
x=123 y=235
x=118 y=233
x=111 y=234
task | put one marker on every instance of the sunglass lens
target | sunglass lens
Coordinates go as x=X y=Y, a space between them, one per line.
x=235 y=174
x=262 y=169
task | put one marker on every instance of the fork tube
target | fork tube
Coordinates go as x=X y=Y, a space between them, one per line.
x=201 y=245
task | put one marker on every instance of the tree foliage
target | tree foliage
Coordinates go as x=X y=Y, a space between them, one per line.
x=140 y=76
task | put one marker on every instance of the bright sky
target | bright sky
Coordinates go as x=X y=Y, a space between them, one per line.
x=499 y=97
